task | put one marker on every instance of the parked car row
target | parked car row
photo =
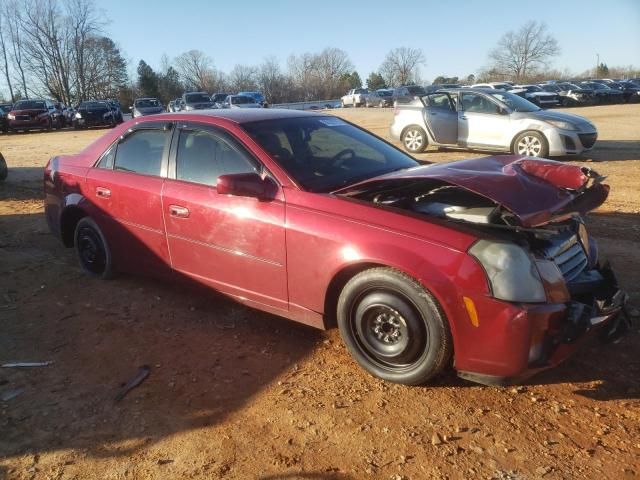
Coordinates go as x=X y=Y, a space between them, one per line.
x=202 y=100
x=45 y=114
x=573 y=92
x=382 y=97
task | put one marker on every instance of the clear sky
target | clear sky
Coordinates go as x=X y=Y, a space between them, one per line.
x=454 y=36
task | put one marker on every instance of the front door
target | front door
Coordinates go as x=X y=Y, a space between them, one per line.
x=441 y=118
x=124 y=194
x=482 y=123
x=235 y=244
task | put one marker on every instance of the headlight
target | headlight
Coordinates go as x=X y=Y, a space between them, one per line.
x=511 y=273
x=188 y=107
x=11 y=116
x=562 y=124
x=78 y=115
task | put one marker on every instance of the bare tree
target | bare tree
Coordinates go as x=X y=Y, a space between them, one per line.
x=275 y=85
x=523 y=53
x=196 y=70
x=4 y=56
x=401 y=66
x=83 y=24
x=12 y=14
x=318 y=76
x=243 y=78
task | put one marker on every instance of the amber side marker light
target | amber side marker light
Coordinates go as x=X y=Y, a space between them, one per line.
x=471 y=310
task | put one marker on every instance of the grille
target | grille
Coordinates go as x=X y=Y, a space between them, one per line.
x=568 y=255
x=588 y=139
x=23 y=117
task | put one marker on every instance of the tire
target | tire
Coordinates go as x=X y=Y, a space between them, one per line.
x=93 y=250
x=532 y=144
x=4 y=170
x=49 y=125
x=393 y=327
x=414 y=139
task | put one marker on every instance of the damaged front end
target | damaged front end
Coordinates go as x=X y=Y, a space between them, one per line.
x=549 y=288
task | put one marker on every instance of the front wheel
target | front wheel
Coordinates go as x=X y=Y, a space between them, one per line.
x=532 y=144
x=414 y=139
x=393 y=327
x=93 y=250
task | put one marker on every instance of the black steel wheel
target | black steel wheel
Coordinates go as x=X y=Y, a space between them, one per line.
x=92 y=249
x=393 y=327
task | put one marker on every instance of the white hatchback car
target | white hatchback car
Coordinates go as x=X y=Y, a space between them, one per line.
x=489 y=119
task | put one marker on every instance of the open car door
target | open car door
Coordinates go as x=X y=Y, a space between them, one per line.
x=441 y=118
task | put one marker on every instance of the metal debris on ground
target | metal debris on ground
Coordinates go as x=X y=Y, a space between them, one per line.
x=26 y=364
x=142 y=374
x=11 y=394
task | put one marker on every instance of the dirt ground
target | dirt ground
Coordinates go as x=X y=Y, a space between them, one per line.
x=237 y=394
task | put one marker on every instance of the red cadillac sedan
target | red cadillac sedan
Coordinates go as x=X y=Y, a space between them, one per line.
x=483 y=263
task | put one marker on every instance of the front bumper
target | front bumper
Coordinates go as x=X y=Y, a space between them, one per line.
x=42 y=122
x=539 y=337
x=569 y=142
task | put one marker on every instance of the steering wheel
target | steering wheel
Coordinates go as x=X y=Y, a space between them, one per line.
x=339 y=158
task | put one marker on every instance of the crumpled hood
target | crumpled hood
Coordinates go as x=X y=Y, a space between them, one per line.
x=581 y=122
x=533 y=190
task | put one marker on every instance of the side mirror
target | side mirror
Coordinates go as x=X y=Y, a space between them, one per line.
x=247 y=185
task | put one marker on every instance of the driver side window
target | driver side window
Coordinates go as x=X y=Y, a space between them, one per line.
x=475 y=103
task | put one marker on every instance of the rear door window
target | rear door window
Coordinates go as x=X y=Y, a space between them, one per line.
x=142 y=152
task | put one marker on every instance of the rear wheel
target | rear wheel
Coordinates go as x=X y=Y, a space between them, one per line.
x=532 y=144
x=414 y=139
x=393 y=327
x=92 y=249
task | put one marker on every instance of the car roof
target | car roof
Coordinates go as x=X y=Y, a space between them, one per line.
x=242 y=115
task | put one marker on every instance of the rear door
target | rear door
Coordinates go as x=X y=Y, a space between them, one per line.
x=124 y=193
x=482 y=123
x=235 y=244
x=441 y=118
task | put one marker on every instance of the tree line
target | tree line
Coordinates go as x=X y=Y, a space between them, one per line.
x=58 y=49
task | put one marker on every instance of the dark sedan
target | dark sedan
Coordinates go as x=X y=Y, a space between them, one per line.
x=95 y=114
x=5 y=108
x=485 y=264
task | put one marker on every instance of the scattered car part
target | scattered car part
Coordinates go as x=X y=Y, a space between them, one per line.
x=143 y=373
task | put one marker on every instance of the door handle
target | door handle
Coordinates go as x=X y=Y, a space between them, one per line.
x=103 y=192
x=178 y=211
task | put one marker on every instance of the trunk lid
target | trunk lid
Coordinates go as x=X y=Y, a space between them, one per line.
x=535 y=191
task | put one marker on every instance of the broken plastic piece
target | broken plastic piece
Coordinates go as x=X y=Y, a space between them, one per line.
x=143 y=373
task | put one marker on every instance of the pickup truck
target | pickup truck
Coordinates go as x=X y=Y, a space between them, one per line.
x=355 y=97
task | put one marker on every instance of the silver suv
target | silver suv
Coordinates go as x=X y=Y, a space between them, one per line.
x=489 y=119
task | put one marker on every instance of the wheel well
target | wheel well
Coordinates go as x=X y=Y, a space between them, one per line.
x=513 y=140
x=68 y=221
x=336 y=285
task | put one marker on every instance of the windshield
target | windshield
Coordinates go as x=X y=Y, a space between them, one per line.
x=384 y=93
x=28 y=105
x=241 y=99
x=147 y=103
x=219 y=97
x=93 y=105
x=197 y=98
x=514 y=102
x=325 y=153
